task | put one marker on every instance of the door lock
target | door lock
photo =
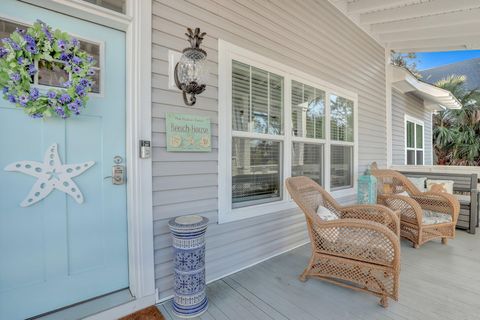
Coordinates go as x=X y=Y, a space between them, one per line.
x=118 y=172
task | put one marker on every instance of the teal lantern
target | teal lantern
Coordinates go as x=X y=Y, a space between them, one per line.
x=367 y=188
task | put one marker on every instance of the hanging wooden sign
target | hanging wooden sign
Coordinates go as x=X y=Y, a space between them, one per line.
x=188 y=133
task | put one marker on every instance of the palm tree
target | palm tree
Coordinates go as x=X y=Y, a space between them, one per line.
x=456 y=133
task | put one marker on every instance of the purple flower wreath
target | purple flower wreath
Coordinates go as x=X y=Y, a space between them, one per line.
x=18 y=55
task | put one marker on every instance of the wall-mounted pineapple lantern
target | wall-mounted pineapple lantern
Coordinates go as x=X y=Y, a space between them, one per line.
x=191 y=71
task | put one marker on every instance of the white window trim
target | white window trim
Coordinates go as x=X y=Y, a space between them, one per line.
x=419 y=122
x=228 y=52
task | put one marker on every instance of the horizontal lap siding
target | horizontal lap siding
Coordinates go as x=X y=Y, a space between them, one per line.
x=408 y=104
x=330 y=47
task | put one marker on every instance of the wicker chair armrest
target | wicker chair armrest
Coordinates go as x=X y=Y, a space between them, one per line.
x=409 y=209
x=376 y=213
x=358 y=239
x=439 y=202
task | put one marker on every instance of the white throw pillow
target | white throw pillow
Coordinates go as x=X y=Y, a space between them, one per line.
x=324 y=214
x=444 y=185
x=330 y=234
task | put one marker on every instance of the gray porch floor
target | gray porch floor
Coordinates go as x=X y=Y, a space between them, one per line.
x=436 y=282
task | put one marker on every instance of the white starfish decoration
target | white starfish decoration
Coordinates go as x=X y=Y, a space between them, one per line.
x=51 y=174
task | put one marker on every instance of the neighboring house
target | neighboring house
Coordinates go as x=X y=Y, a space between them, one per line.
x=413 y=103
x=470 y=68
x=294 y=88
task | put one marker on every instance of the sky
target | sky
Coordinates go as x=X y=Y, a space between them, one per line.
x=427 y=60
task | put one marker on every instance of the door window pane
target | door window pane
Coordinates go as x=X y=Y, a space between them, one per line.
x=308 y=111
x=341 y=170
x=7 y=28
x=52 y=74
x=419 y=134
x=307 y=160
x=341 y=115
x=257 y=100
x=115 y=5
x=256 y=171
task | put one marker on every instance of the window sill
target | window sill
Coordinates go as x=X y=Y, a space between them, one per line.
x=255 y=211
x=272 y=207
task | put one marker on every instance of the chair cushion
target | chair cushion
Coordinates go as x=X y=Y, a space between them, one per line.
x=365 y=245
x=432 y=217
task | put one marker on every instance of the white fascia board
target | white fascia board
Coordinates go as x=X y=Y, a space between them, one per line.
x=406 y=82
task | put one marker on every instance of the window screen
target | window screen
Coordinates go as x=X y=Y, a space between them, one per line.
x=341 y=167
x=341 y=118
x=410 y=134
x=307 y=160
x=419 y=136
x=411 y=157
x=414 y=142
x=308 y=111
x=256 y=171
x=257 y=100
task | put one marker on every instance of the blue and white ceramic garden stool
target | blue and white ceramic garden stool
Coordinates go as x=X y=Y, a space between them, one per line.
x=188 y=234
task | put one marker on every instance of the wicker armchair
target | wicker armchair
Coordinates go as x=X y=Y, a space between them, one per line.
x=417 y=208
x=359 y=250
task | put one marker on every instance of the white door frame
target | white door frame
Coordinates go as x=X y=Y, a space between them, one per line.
x=137 y=26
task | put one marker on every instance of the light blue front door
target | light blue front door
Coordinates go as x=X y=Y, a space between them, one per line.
x=58 y=252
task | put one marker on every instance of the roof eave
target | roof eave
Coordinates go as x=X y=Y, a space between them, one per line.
x=405 y=81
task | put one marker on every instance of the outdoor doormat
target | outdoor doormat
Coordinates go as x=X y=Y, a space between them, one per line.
x=150 y=313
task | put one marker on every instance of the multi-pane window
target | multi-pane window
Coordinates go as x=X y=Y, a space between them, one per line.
x=276 y=125
x=414 y=150
x=52 y=73
x=257 y=122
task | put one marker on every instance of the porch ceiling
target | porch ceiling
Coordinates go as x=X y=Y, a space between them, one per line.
x=417 y=25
